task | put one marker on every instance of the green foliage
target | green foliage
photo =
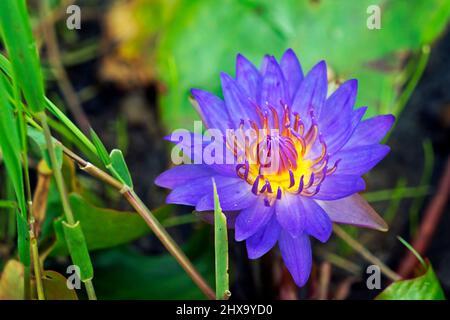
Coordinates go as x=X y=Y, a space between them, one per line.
x=10 y=144
x=78 y=250
x=120 y=167
x=104 y=228
x=101 y=149
x=221 y=248
x=424 y=287
x=38 y=137
x=18 y=39
x=204 y=40
x=124 y=273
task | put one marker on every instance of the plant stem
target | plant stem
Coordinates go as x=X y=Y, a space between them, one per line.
x=62 y=189
x=90 y=290
x=148 y=217
x=56 y=171
x=366 y=254
x=37 y=267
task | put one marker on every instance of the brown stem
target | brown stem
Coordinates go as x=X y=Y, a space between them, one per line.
x=366 y=254
x=430 y=221
x=324 y=280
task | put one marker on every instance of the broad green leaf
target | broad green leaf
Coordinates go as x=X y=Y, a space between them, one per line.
x=221 y=249
x=201 y=41
x=55 y=287
x=104 y=228
x=424 y=287
x=18 y=39
x=120 y=167
x=124 y=273
x=11 y=281
x=38 y=137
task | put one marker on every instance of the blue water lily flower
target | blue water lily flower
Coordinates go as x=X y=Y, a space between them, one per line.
x=321 y=147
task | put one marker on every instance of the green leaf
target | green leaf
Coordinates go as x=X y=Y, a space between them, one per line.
x=5 y=65
x=38 y=137
x=124 y=273
x=104 y=228
x=10 y=145
x=18 y=39
x=23 y=239
x=77 y=247
x=70 y=125
x=221 y=249
x=120 y=167
x=201 y=41
x=100 y=147
x=424 y=287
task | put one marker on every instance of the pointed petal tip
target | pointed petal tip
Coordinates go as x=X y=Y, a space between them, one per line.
x=353 y=83
x=390 y=118
x=321 y=65
x=354 y=210
x=290 y=51
x=195 y=92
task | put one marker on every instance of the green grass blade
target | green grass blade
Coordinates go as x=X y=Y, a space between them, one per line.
x=221 y=249
x=70 y=125
x=18 y=39
x=101 y=149
x=10 y=145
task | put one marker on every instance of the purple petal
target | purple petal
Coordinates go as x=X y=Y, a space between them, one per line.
x=340 y=101
x=335 y=121
x=190 y=193
x=232 y=197
x=371 y=131
x=337 y=186
x=312 y=93
x=318 y=224
x=292 y=72
x=354 y=210
x=237 y=101
x=212 y=110
x=252 y=219
x=248 y=77
x=182 y=174
x=359 y=160
x=263 y=240
x=290 y=213
x=297 y=256
x=193 y=146
x=264 y=64
x=274 y=89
